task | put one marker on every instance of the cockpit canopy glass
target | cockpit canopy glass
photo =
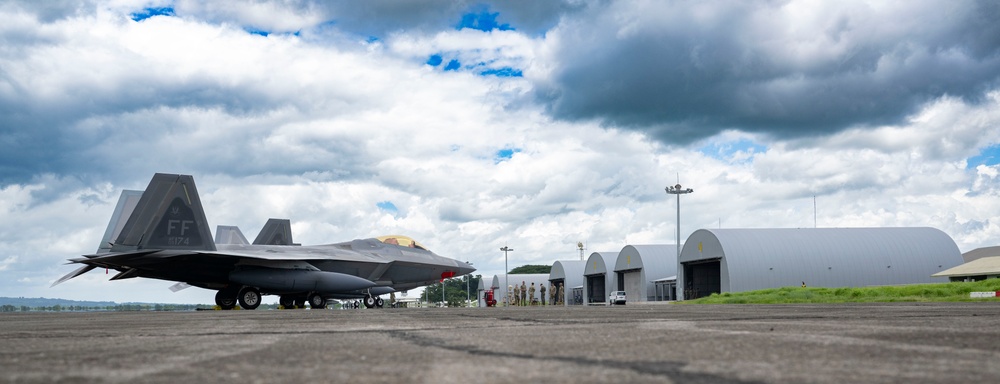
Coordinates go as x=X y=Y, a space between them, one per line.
x=402 y=241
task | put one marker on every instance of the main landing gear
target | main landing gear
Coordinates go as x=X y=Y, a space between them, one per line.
x=247 y=297
x=226 y=298
x=314 y=299
x=373 y=302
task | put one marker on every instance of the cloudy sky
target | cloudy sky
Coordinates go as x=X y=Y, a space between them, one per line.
x=470 y=125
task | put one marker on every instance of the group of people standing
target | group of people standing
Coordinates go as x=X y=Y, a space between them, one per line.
x=524 y=295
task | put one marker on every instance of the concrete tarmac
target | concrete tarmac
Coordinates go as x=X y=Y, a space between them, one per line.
x=860 y=343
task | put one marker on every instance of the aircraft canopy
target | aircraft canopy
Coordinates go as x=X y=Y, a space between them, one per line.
x=400 y=240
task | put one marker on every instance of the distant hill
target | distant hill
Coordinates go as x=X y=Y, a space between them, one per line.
x=34 y=302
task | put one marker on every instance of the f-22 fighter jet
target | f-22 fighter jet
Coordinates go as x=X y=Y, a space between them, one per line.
x=166 y=236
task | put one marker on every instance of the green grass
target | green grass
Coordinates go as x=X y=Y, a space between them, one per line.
x=884 y=294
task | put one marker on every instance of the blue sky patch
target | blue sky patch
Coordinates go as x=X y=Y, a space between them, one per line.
x=387 y=207
x=453 y=65
x=505 y=154
x=254 y=31
x=434 y=60
x=728 y=151
x=503 y=72
x=482 y=21
x=150 y=12
x=987 y=156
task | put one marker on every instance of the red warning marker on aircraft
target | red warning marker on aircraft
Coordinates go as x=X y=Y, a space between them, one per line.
x=447 y=274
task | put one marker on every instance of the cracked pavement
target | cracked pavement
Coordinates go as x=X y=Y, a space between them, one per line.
x=664 y=343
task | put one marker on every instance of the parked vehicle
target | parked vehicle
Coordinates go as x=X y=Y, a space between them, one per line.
x=616 y=297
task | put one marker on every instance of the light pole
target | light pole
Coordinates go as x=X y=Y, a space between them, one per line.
x=468 y=286
x=506 y=249
x=678 y=190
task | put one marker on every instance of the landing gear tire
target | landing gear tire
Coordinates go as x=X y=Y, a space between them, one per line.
x=316 y=301
x=287 y=301
x=249 y=298
x=369 y=302
x=226 y=298
x=379 y=302
x=357 y=304
x=300 y=302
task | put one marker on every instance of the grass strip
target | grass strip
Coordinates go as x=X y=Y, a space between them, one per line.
x=937 y=292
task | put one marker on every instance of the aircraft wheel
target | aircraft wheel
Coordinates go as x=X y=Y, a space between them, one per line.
x=379 y=302
x=369 y=302
x=316 y=301
x=300 y=302
x=357 y=304
x=249 y=298
x=287 y=301
x=225 y=299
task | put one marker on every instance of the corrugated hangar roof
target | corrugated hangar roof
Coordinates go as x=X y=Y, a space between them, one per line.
x=825 y=257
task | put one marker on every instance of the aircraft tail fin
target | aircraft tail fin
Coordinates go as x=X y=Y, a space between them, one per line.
x=126 y=205
x=168 y=215
x=275 y=232
x=230 y=234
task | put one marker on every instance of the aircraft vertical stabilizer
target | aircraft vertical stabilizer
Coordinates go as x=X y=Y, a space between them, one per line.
x=275 y=232
x=169 y=215
x=126 y=205
x=230 y=234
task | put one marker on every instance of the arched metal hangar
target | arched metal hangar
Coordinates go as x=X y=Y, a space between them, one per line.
x=638 y=266
x=737 y=260
x=569 y=275
x=598 y=277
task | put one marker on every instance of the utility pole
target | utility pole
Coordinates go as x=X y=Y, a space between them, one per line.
x=678 y=190
x=506 y=249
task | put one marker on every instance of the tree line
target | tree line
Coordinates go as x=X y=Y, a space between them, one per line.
x=110 y=308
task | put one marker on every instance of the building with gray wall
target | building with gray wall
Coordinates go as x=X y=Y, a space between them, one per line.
x=736 y=260
x=638 y=267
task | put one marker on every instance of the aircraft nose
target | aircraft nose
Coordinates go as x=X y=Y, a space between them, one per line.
x=465 y=268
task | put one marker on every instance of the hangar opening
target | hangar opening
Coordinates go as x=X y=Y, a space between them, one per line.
x=599 y=277
x=595 y=288
x=703 y=278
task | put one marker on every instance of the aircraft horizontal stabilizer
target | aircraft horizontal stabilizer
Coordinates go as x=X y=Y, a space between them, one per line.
x=78 y=272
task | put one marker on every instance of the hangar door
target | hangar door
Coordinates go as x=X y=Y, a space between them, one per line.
x=631 y=283
x=702 y=278
x=595 y=289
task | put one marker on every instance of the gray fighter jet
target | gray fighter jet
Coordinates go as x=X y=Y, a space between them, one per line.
x=162 y=233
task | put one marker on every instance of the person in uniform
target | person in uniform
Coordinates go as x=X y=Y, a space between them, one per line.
x=510 y=299
x=517 y=294
x=562 y=294
x=531 y=294
x=541 y=288
x=552 y=293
